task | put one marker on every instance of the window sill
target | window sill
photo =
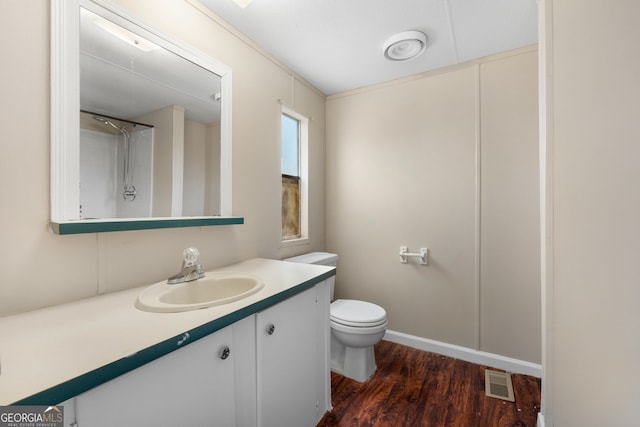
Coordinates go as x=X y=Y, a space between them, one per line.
x=294 y=242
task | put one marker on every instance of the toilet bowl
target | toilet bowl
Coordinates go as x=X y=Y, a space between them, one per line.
x=356 y=326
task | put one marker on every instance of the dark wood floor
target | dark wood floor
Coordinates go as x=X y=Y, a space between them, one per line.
x=417 y=388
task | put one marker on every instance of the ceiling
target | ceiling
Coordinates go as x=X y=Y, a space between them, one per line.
x=336 y=45
x=121 y=81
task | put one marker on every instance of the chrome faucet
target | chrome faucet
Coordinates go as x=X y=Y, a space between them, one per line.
x=190 y=270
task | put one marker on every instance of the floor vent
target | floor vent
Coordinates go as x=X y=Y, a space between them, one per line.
x=498 y=384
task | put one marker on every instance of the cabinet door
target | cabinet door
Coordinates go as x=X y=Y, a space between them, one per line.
x=287 y=347
x=193 y=386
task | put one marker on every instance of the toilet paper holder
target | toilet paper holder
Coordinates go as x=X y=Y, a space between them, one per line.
x=405 y=254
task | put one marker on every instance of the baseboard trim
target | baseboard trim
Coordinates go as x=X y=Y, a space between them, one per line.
x=463 y=353
x=540 y=419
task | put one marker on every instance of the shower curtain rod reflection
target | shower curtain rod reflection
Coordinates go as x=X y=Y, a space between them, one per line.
x=91 y=113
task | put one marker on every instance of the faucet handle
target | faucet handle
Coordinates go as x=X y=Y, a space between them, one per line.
x=190 y=256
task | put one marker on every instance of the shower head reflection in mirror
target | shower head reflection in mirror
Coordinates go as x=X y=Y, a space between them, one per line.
x=129 y=192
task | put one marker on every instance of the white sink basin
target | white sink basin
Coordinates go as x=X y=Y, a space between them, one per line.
x=216 y=288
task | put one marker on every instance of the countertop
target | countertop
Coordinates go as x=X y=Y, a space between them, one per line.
x=53 y=354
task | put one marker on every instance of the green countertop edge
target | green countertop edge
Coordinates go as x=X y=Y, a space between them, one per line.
x=80 y=227
x=101 y=375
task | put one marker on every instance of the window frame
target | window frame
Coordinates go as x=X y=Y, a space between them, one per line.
x=303 y=172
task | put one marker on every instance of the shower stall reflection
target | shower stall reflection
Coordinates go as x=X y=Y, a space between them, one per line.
x=116 y=170
x=129 y=192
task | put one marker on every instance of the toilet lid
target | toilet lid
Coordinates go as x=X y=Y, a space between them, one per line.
x=357 y=313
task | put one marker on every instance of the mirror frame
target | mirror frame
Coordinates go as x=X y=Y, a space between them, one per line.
x=65 y=122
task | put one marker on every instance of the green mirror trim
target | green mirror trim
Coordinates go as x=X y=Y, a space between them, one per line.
x=101 y=226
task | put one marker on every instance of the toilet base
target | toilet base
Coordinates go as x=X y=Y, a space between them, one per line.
x=357 y=363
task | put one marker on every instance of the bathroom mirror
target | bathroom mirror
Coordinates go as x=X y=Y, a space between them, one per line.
x=140 y=125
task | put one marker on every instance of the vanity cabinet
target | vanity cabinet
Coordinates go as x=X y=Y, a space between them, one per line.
x=292 y=354
x=193 y=386
x=274 y=374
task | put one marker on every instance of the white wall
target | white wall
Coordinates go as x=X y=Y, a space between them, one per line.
x=212 y=170
x=446 y=160
x=40 y=268
x=401 y=171
x=168 y=159
x=101 y=174
x=510 y=208
x=592 y=288
x=195 y=167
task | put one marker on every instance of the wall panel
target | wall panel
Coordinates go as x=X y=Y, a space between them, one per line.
x=402 y=170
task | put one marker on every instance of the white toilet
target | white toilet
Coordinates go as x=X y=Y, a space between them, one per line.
x=356 y=326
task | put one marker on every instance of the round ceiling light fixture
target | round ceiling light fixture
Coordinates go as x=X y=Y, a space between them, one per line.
x=405 y=45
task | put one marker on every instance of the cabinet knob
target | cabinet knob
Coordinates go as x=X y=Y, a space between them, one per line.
x=271 y=329
x=225 y=352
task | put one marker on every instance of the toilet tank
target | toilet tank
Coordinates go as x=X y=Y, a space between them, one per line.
x=319 y=258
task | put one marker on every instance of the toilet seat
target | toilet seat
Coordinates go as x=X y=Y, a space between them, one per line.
x=358 y=314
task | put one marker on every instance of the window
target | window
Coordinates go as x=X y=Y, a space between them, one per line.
x=293 y=136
